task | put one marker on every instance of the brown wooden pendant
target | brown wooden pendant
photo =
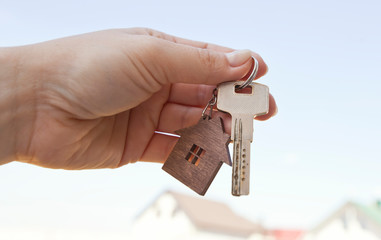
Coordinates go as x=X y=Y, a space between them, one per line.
x=199 y=154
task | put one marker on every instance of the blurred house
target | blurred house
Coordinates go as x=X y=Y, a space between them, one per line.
x=177 y=216
x=351 y=222
x=286 y=234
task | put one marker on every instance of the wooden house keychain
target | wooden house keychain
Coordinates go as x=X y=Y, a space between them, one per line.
x=200 y=151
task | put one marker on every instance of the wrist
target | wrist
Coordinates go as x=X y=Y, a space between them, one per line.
x=17 y=105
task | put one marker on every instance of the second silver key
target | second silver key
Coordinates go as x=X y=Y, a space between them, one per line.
x=243 y=107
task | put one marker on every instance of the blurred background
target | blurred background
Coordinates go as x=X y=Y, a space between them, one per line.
x=321 y=150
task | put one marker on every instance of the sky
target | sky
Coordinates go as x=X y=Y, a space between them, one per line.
x=320 y=151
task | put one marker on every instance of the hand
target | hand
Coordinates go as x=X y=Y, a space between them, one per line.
x=96 y=100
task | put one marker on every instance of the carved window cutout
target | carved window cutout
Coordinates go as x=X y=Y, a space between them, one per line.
x=194 y=155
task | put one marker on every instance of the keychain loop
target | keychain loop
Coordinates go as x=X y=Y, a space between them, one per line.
x=251 y=77
x=210 y=104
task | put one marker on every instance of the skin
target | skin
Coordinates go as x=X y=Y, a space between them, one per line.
x=95 y=100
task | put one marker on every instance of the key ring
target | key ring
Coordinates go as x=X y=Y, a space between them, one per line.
x=251 y=77
x=210 y=104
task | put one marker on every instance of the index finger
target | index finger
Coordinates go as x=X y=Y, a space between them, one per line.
x=262 y=70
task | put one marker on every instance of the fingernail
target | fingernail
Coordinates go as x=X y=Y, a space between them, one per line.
x=267 y=69
x=239 y=57
x=275 y=112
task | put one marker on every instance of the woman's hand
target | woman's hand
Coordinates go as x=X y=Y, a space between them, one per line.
x=95 y=100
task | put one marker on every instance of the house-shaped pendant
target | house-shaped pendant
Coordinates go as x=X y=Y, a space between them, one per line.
x=199 y=154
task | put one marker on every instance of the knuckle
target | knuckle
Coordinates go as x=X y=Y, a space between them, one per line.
x=206 y=58
x=202 y=95
x=184 y=118
x=210 y=62
x=148 y=31
x=152 y=47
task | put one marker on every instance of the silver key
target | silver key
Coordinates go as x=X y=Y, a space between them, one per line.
x=243 y=107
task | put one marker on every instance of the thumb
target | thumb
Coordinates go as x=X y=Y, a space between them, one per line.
x=186 y=64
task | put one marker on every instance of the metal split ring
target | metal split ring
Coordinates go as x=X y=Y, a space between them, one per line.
x=251 y=77
x=210 y=104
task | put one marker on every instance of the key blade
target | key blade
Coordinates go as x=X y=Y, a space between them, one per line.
x=247 y=126
x=241 y=162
